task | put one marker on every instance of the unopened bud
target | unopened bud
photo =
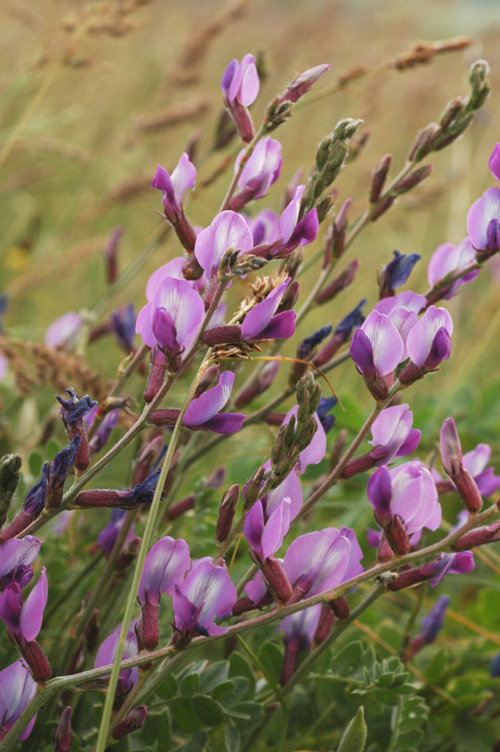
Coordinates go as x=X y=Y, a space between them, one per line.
x=191 y=269
x=325 y=624
x=252 y=490
x=227 y=511
x=452 y=110
x=111 y=254
x=156 y=376
x=379 y=176
x=62 y=737
x=276 y=579
x=134 y=720
x=36 y=660
x=340 y=607
x=478 y=79
x=424 y=143
x=10 y=465
x=397 y=536
x=413 y=179
x=181 y=507
x=223 y=335
x=381 y=208
x=149 y=628
x=340 y=283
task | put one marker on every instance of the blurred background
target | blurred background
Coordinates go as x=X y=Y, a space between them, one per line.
x=96 y=94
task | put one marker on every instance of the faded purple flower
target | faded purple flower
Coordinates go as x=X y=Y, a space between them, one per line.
x=262 y=321
x=396 y=273
x=172 y=318
x=206 y=593
x=17 y=689
x=448 y=259
x=228 y=231
x=16 y=558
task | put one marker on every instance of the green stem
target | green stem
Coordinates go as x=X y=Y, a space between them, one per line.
x=234 y=182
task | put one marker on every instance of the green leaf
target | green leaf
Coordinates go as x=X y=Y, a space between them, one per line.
x=232 y=738
x=214 y=675
x=354 y=738
x=252 y=710
x=240 y=691
x=158 y=725
x=208 y=711
x=240 y=667
x=168 y=688
x=190 y=684
x=184 y=715
x=224 y=689
x=272 y=658
x=197 y=743
x=52 y=448
x=347 y=662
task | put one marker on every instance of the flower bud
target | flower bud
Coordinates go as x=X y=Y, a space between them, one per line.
x=36 y=660
x=62 y=737
x=424 y=143
x=340 y=283
x=133 y=721
x=340 y=607
x=379 y=176
x=413 y=179
x=227 y=510
x=181 y=507
x=156 y=376
x=276 y=579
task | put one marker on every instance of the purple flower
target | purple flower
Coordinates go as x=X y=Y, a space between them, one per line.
x=412 y=301
x=377 y=347
x=393 y=435
x=429 y=341
x=204 y=411
x=303 y=83
x=108 y=536
x=16 y=557
x=73 y=409
x=407 y=492
x=431 y=626
x=63 y=330
x=101 y=436
x=35 y=499
x=164 y=568
x=206 y=593
x=265 y=533
x=24 y=619
x=262 y=322
x=106 y=655
x=319 y=561
x=314 y=453
x=494 y=162
x=295 y=232
x=172 y=318
x=240 y=82
x=240 y=86
x=299 y=628
x=17 y=689
x=123 y=325
x=396 y=273
x=475 y=462
x=174 y=186
x=325 y=405
x=262 y=169
x=290 y=488
x=265 y=227
x=483 y=221
x=448 y=259
x=228 y=231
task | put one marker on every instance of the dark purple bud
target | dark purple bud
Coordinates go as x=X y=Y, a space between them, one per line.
x=58 y=472
x=123 y=324
x=149 y=629
x=36 y=660
x=413 y=179
x=34 y=502
x=353 y=320
x=397 y=536
x=478 y=537
x=359 y=465
x=223 y=335
x=216 y=479
x=227 y=511
x=143 y=492
x=276 y=579
x=101 y=436
x=308 y=345
x=381 y=207
x=73 y=409
x=325 y=405
x=134 y=720
x=340 y=607
x=62 y=737
x=396 y=272
x=325 y=624
x=379 y=176
x=181 y=507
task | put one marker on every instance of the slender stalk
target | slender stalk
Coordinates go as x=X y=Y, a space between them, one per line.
x=144 y=548
x=127 y=372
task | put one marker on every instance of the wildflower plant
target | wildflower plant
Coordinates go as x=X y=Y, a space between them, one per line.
x=154 y=638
